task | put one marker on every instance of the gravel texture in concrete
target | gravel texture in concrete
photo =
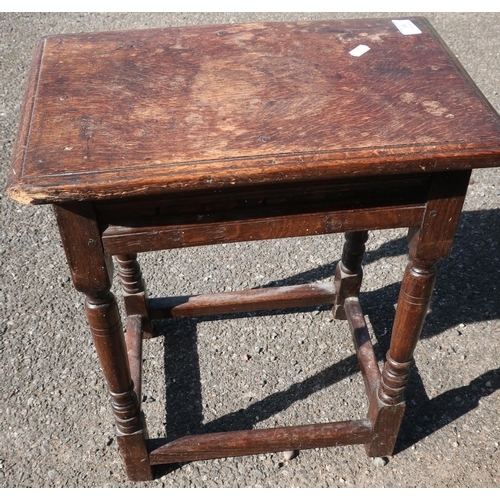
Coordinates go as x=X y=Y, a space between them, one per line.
x=248 y=371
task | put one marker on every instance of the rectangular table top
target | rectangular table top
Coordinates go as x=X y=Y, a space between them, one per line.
x=138 y=113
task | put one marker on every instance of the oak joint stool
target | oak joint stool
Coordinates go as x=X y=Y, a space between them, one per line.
x=168 y=138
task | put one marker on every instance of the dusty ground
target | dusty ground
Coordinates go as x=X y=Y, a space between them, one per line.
x=55 y=425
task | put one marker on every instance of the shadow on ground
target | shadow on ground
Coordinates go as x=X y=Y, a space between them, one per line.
x=466 y=292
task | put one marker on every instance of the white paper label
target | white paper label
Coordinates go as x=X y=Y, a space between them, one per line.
x=359 y=50
x=406 y=27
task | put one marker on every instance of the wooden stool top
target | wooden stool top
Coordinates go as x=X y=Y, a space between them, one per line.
x=136 y=113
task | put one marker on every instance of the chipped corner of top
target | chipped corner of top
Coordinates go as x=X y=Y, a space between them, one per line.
x=22 y=196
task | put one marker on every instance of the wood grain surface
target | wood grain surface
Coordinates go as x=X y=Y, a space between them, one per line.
x=119 y=114
x=247 y=442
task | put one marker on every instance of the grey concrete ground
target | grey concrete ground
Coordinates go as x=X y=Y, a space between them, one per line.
x=56 y=429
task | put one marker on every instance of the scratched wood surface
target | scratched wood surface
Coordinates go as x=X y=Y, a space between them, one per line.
x=119 y=114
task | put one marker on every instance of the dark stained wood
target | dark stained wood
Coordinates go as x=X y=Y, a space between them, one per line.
x=81 y=239
x=413 y=303
x=364 y=349
x=430 y=242
x=269 y=200
x=134 y=290
x=386 y=421
x=433 y=240
x=238 y=443
x=135 y=456
x=353 y=251
x=260 y=299
x=349 y=273
x=133 y=341
x=427 y=245
x=15 y=174
x=105 y=325
x=260 y=212
x=91 y=272
x=117 y=239
x=387 y=404
x=236 y=105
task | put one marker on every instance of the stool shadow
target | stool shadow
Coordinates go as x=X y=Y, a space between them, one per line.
x=425 y=416
x=183 y=387
x=466 y=290
x=460 y=297
x=184 y=409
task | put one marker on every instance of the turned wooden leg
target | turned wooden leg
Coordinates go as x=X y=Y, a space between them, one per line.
x=106 y=327
x=134 y=290
x=387 y=405
x=349 y=273
x=428 y=243
x=91 y=272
